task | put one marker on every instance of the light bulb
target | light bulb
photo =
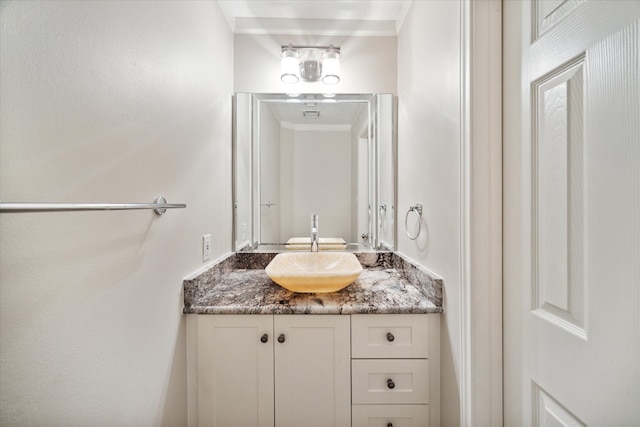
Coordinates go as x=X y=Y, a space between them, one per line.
x=331 y=67
x=289 y=67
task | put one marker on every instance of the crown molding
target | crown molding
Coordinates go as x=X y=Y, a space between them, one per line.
x=322 y=27
x=315 y=127
x=403 y=15
x=228 y=15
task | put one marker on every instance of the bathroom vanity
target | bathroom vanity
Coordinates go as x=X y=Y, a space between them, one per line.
x=260 y=355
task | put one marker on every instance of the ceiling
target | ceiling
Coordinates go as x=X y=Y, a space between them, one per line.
x=342 y=114
x=320 y=17
x=339 y=110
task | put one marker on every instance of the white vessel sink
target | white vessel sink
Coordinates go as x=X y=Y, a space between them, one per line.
x=324 y=243
x=317 y=272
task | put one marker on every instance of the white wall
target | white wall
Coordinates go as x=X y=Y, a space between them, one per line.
x=366 y=64
x=294 y=159
x=286 y=177
x=321 y=162
x=107 y=102
x=429 y=147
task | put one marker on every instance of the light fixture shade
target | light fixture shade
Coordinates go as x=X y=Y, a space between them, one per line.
x=331 y=67
x=289 y=66
x=310 y=64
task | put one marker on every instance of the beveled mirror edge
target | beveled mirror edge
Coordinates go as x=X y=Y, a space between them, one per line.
x=252 y=244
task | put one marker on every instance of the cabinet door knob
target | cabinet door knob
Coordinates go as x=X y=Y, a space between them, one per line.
x=390 y=337
x=389 y=424
x=281 y=338
x=264 y=338
x=390 y=383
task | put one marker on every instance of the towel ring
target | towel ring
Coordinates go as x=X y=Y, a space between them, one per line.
x=382 y=210
x=418 y=210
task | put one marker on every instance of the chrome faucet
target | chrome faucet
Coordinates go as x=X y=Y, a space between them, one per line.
x=314 y=233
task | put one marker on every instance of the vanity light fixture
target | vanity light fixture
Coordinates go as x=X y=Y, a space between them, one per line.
x=310 y=64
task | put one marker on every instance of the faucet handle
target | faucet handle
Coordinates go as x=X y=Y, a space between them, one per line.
x=314 y=233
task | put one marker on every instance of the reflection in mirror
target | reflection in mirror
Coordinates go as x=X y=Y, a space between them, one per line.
x=295 y=156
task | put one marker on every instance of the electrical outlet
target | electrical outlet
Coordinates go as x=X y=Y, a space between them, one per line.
x=206 y=247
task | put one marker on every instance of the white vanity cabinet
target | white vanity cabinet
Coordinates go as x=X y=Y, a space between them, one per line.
x=314 y=370
x=269 y=370
x=395 y=370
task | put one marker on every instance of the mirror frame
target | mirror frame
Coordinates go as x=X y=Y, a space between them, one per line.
x=246 y=106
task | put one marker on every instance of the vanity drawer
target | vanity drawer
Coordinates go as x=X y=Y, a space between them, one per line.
x=390 y=415
x=393 y=381
x=377 y=336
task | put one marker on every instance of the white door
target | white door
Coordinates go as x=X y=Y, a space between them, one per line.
x=312 y=371
x=575 y=232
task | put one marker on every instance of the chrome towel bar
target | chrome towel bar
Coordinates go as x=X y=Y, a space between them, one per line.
x=159 y=206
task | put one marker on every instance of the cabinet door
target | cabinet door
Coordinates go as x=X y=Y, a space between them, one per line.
x=235 y=384
x=312 y=370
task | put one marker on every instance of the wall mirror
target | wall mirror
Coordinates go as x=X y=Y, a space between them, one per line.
x=298 y=155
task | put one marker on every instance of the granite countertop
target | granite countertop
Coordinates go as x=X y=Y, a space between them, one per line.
x=238 y=284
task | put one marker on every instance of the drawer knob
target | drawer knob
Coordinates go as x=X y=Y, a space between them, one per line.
x=390 y=337
x=390 y=384
x=389 y=424
x=281 y=338
x=264 y=338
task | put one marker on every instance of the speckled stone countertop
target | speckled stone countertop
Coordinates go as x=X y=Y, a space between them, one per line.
x=238 y=284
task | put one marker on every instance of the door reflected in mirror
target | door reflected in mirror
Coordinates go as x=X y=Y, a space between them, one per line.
x=295 y=156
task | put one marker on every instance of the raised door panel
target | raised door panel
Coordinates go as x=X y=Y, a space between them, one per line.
x=548 y=412
x=548 y=13
x=558 y=284
x=312 y=371
x=235 y=371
